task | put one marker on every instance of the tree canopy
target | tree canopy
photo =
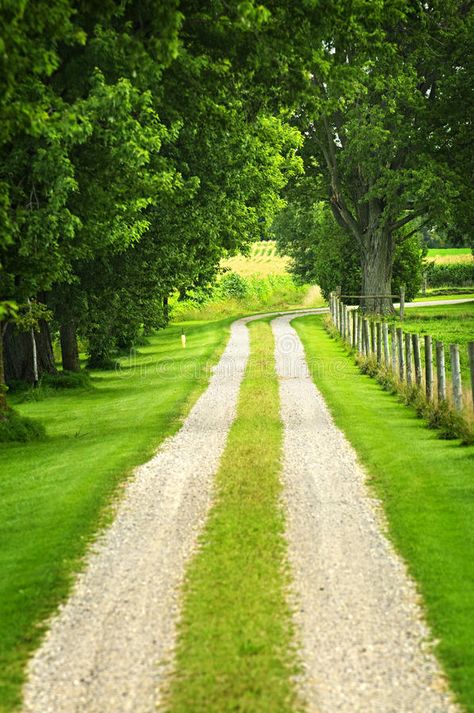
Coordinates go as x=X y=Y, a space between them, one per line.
x=142 y=141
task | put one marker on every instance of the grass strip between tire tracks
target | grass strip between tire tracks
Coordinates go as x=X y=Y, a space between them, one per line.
x=235 y=650
x=427 y=489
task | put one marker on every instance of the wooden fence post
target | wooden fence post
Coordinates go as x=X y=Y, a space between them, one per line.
x=402 y=302
x=341 y=323
x=440 y=371
x=365 y=336
x=408 y=358
x=378 y=327
x=373 y=345
x=401 y=358
x=393 y=334
x=386 y=354
x=428 y=367
x=359 y=333
x=456 y=376
x=470 y=350
x=417 y=359
x=348 y=323
x=354 y=328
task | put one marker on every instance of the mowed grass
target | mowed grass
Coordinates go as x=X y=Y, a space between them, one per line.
x=262 y=260
x=426 y=486
x=54 y=494
x=436 y=297
x=235 y=651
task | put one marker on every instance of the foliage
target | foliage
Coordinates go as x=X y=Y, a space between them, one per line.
x=237 y=295
x=453 y=275
x=17 y=428
x=67 y=380
x=369 y=112
x=323 y=253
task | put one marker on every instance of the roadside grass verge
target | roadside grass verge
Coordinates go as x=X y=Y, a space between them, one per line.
x=426 y=486
x=55 y=494
x=234 y=651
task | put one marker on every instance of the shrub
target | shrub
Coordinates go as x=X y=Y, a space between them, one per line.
x=67 y=380
x=232 y=285
x=14 y=427
x=450 y=275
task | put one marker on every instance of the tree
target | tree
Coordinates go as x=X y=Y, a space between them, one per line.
x=323 y=253
x=368 y=114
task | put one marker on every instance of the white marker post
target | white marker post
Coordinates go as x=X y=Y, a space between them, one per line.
x=183 y=339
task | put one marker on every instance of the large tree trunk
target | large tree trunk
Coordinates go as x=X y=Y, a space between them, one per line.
x=44 y=345
x=377 y=258
x=3 y=386
x=69 y=348
x=19 y=355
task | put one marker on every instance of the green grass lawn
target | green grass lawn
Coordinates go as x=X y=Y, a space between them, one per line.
x=426 y=486
x=234 y=651
x=54 y=494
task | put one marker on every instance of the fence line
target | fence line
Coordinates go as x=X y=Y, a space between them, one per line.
x=400 y=352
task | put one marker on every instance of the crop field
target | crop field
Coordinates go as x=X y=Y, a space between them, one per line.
x=449 y=255
x=262 y=260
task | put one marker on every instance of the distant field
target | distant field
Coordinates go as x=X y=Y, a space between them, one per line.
x=263 y=260
x=450 y=255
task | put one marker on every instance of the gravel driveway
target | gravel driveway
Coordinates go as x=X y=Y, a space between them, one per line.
x=102 y=651
x=363 y=639
x=364 y=643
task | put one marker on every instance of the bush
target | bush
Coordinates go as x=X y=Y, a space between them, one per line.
x=232 y=285
x=14 y=427
x=450 y=275
x=67 y=380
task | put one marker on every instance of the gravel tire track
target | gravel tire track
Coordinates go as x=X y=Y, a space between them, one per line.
x=364 y=644
x=102 y=651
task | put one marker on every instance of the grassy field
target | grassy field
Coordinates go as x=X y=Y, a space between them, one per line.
x=55 y=494
x=426 y=486
x=262 y=260
x=234 y=651
x=450 y=255
x=432 y=298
